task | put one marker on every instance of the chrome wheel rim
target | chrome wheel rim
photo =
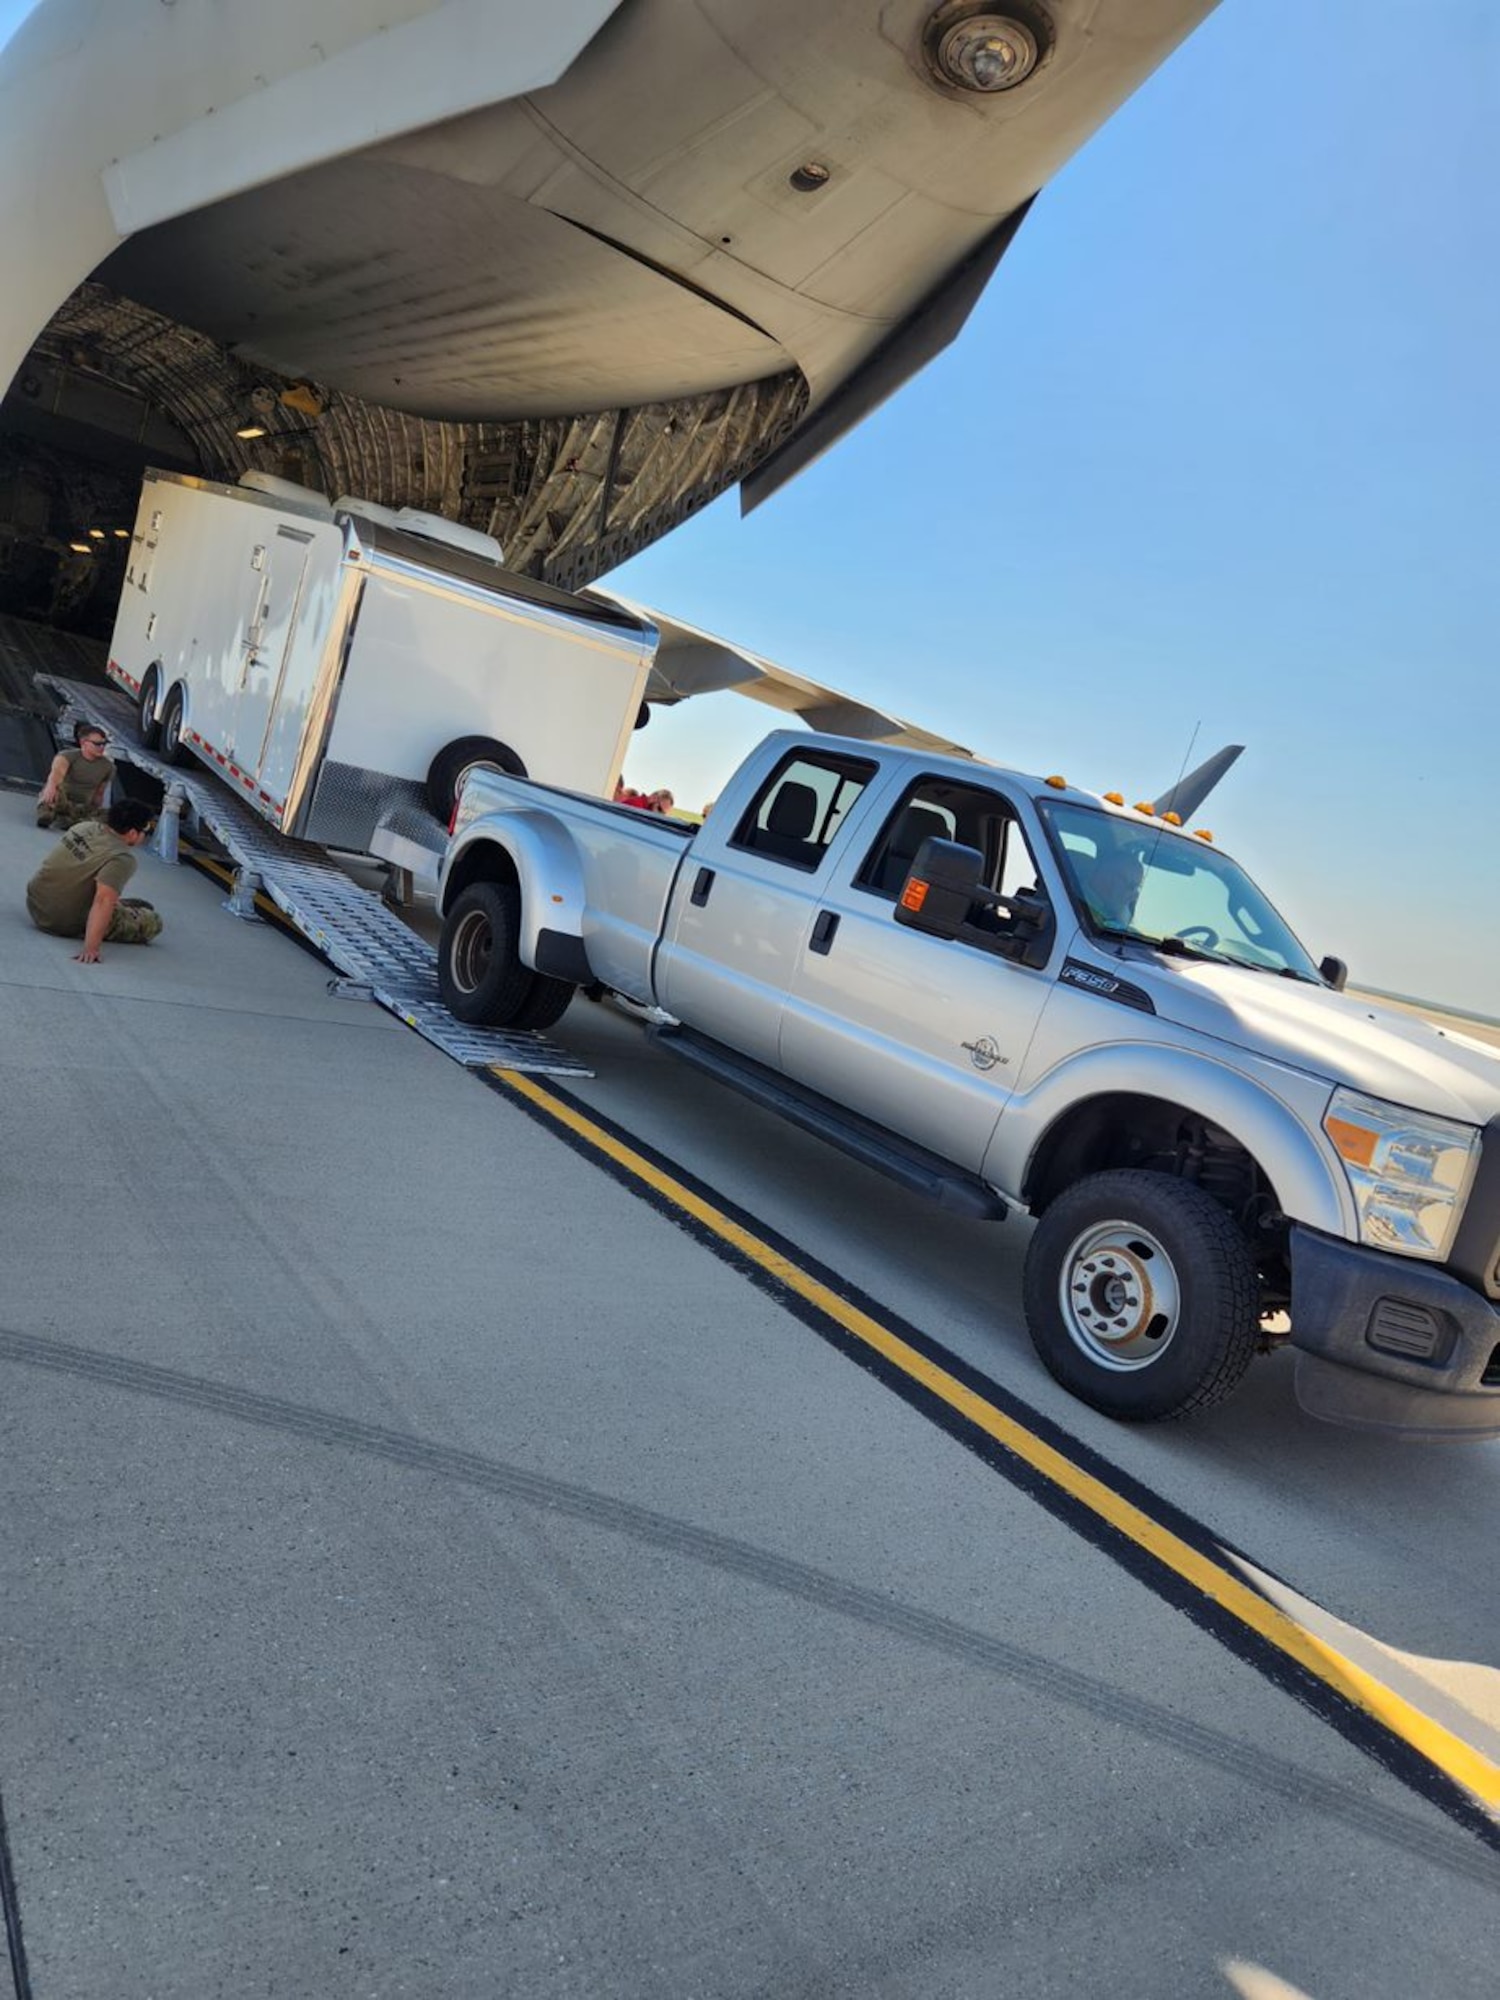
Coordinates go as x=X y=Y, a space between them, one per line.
x=1120 y=1298
x=479 y=764
x=473 y=947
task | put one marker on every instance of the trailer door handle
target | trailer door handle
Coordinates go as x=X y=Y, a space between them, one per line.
x=702 y=886
x=823 y=930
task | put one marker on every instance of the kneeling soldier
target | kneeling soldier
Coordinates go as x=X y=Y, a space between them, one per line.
x=76 y=891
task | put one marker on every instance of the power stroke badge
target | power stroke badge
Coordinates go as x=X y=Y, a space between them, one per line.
x=985 y=1053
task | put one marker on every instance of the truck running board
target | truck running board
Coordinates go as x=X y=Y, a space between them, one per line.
x=913 y=1167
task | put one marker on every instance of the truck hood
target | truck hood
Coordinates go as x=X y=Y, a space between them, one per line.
x=1340 y=1036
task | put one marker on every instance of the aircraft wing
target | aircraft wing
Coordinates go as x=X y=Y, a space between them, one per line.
x=691 y=662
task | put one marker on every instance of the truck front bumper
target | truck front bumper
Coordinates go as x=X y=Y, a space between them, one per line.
x=1389 y=1344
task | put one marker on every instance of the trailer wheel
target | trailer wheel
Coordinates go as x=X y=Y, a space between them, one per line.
x=172 y=751
x=1141 y=1296
x=480 y=973
x=147 y=720
x=454 y=762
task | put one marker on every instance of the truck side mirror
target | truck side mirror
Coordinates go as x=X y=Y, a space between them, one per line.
x=944 y=888
x=1335 y=972
x=941 y=888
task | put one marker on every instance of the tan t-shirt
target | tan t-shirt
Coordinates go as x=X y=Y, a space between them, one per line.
x=84 y=776
x=61 y=893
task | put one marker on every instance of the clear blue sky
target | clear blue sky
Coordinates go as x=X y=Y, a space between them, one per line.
x=1220 y=449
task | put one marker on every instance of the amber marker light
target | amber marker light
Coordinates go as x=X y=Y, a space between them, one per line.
x=1114 y=798
x=1058 y=784
x=1172 y=819
x=1354 y=1143
x=1145 y=806
x=1202 y=833
x=914 y=895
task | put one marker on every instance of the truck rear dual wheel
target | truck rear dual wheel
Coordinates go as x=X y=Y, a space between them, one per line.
x=1141 y=1296
x=481 y=975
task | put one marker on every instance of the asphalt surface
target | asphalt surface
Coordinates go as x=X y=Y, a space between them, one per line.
x=428 y=1570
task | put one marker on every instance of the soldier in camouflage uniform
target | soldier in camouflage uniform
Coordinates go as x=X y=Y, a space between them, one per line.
x=76 y=891
x=74 y=787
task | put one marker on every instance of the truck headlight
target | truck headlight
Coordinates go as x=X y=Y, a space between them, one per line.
x=1408 y=1173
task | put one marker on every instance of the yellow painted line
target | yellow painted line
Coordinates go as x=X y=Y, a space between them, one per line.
x=1448 y=1753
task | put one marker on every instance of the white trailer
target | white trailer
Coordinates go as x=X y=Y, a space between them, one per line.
x=342 y=667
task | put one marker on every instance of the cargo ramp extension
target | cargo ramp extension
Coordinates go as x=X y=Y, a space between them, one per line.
x=351 y=927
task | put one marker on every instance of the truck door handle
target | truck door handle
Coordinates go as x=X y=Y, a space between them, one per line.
x=823 y=930
x=702 y=886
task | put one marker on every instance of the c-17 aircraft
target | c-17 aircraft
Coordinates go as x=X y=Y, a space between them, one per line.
x=561 y=272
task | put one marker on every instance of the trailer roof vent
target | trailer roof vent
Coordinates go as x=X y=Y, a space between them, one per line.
x=436 y=529
x=287 y=493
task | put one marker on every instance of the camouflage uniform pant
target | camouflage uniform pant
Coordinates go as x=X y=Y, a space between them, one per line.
x=134 y=922
x=64 y=813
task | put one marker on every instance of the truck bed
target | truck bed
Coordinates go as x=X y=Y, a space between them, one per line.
x=629 y=860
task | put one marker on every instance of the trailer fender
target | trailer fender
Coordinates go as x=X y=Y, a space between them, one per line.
x=534 y=850
x=1274 y=1112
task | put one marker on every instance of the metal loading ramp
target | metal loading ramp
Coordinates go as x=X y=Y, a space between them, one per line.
x=352 y=928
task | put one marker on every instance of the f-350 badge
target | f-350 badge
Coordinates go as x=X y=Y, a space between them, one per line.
x=985 y=1053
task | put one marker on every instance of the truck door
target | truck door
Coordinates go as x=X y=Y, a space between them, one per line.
x=278 y=577
x=745 y=903
x=926 y=1035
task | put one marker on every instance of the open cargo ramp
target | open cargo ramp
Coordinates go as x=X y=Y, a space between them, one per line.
x=360 y=936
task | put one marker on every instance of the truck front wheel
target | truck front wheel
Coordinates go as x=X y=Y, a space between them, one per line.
x=1141 y=1296
x=480 y=973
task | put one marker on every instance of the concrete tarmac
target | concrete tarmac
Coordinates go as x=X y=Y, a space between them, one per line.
x=426 y=1570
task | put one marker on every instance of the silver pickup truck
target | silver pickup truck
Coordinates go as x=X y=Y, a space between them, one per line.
x=1006 y=992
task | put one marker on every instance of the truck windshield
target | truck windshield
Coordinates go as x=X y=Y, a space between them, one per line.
x=1137 y=880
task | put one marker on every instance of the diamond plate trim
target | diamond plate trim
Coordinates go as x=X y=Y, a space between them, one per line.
x=350 y=926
